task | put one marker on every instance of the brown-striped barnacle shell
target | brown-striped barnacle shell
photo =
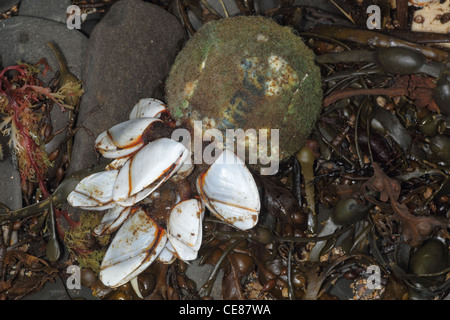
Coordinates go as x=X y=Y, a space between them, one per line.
x=229 y=191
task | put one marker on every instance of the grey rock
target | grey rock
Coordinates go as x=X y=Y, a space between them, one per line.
x=51 y=291
x=57 y=291
x=93 y=18
x=48 y=9
x=24 y=38
x=10 y=192
x=5 y=5
x=130 y=54
x=200 y=274
x=264 y=5
x=342 y=289
x=230 y=6
x=88 y=26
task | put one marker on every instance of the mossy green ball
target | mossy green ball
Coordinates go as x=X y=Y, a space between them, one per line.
x=247 y=73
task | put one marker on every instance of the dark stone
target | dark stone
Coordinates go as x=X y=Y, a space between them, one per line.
x=92 y=19
x=24 y=38
x=58 y=290
x=10 y=192
x=88 y=26
x=129 y=57
x=5 y=5
x=48 y=9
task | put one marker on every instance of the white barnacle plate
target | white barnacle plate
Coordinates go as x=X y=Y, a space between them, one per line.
x=147 y=169
x=116 y=164
x=166 y=256
x=185 y=228
x=230 y=192
x=112 y=220
x=135 y=246
x=124 y=138
x=148 y=108
x=94 y=192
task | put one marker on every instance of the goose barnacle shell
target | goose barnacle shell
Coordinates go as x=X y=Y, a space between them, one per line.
x=230 y=192
x=124 y=138
x=146 y=170
x=148 y=108
x=135 y=246
x=184 y=228
x=94 y=192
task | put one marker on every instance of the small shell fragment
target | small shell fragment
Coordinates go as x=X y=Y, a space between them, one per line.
x=116 y=164
x=112 y=220
x=166 y=256
x=135 y=285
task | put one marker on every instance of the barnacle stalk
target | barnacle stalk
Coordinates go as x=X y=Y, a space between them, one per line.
x=306 y=159
x=205 y=290
x=70 y=90
x=53 y=249
x=57 y=198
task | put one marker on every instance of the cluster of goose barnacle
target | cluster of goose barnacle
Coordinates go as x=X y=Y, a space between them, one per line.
x=140 y=166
